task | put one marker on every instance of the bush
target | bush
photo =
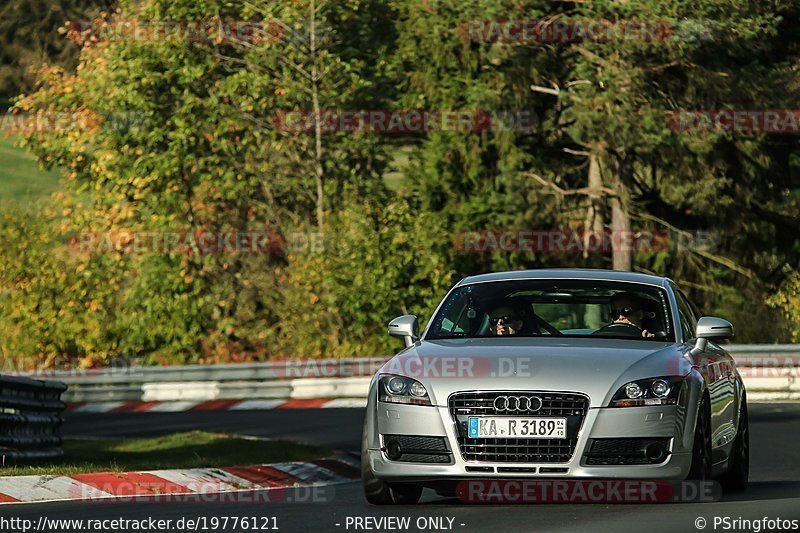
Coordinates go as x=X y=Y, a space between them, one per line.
x=55 y=304
x=379 y=261
x=788 y=301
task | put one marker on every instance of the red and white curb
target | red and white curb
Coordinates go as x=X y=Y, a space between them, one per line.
x=161 y=484
x=214 y=405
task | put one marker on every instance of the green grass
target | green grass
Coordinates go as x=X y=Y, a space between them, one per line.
x=21 y=179
x=196 y=449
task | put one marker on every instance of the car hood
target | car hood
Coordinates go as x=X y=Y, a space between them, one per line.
x=595 y=367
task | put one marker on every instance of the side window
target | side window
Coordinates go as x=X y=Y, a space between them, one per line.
x=457 y=316
x=686 y=314
x=695 y=310
x=453 y=316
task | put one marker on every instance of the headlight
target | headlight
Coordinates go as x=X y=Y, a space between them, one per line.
x=418 y=390
x=660 y=388
x=396 y=385
x=653 y=391
x=633 y=390
x=400 y=389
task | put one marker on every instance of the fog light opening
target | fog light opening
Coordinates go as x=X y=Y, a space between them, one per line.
x=393 y=450
x=655 y=452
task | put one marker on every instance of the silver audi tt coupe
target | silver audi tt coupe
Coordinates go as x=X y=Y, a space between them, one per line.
x=547 y=374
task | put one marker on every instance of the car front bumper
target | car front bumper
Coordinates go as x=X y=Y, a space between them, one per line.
x=670 y=422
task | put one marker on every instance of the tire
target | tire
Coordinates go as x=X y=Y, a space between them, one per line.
x=738 y=474
x=379 y=492
x=701 y=450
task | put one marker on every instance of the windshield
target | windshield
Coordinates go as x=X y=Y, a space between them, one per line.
x=568 y=308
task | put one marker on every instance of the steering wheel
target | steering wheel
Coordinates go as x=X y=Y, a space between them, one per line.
x=618 y=328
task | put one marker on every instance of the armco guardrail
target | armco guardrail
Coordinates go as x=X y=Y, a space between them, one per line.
x=294 y=379
x=769 y=370
x=30 y=418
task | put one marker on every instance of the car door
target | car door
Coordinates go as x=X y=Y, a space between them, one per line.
x=717 y=366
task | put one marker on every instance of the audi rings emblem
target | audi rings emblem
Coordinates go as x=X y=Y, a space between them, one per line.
x=517 y=404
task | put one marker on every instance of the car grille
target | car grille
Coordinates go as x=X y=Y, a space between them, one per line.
x=617 y=461
x=572 y=406
x=426 y=458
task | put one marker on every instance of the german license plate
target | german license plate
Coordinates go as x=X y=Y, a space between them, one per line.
x=520 y=428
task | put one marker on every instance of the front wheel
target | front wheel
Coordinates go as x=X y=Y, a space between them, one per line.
x=701 y=450
x=379 y=492
x=738 y=474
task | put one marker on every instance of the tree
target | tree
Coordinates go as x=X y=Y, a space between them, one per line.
x=196 y=149
x=30 y=38
x=293 y=88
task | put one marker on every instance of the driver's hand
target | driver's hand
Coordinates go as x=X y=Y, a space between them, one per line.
x=647 y=334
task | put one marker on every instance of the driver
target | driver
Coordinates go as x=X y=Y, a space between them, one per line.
x=505 y=319
x=627 y=308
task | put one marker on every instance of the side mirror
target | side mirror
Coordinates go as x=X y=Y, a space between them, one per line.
x=711 y=328
x=407 y=327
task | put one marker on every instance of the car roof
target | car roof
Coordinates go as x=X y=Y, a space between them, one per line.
x=568 y=273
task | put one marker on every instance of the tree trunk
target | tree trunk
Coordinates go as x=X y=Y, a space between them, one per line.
x=593 y=227
x=622 y=254
x=622 y=236
x=593 y=223
x=318 y=166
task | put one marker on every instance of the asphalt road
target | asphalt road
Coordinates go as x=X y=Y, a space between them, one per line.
x=338 y=428
x=774 y=491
